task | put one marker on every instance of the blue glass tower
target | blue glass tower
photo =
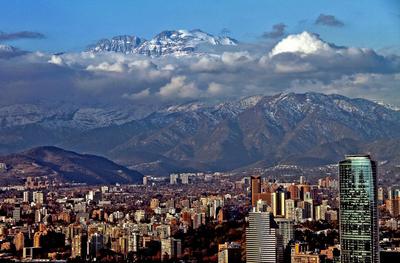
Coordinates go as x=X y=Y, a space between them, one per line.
x=359 y=233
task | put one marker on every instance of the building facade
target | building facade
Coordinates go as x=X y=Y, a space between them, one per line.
x=263 y=243
x=358 y=219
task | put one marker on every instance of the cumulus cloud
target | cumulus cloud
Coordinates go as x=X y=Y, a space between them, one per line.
x=20 y=35
x=235 y=58
x=57 y=60
x=215 y=89
x=328 y=20
x=278 y=30
x=107 y=67
x=373 y=86
x=180 y=88
x=304 y=43
x=138 y=95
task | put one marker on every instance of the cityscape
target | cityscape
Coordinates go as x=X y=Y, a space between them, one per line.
x=200 y=131
x=206 y=217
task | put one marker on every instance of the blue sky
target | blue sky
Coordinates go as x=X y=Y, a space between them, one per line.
x=70 y=25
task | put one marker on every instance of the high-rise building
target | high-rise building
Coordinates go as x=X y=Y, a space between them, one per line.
x=278 y=203
x=17 y=213
x=19 y=241
x=95 y=244
x=263 y=243
x=290 y=209
x=255 y=189
x=294 y=192
x=358 y=220
x=38 y=197
x=26 y=197
x=286 y=230
x=302 y=179
x=229 y=252
x=78 y=246
x=171 y=248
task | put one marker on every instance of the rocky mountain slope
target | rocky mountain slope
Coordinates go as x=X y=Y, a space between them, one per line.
x=309 y=128
x=175 y=42
x=304 y=129
x=65 y=166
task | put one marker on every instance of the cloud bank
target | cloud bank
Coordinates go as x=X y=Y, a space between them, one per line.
x=328 y=20
x=299 y=63
x=278 y=30
x=20 y=35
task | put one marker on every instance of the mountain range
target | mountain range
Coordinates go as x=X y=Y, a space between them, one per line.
x=308 y=129
x=260 y=131
x=169 y=42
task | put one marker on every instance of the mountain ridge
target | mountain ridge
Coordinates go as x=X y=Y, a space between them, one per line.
x=64 y=166
x=197 y=136
x=168 y=42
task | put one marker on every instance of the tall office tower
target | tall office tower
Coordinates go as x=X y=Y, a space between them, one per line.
x=173 y=178
x=290 y=209
x=308 y=206
x=229 y=252
x=171 y=248
x=286 y=230
x=381 y=195
x=95 y=244
x=78 y=246
x=302 y=179
x=263 y=243
x=38 y=197
x=17 y=213
x=278 y=203
x=255 y=189
x=294 y=192
x=359 y=236
x=26 y=197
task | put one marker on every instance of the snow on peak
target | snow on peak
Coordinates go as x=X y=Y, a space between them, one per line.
x=7 y=48
x=304 y=43
x=176 y=42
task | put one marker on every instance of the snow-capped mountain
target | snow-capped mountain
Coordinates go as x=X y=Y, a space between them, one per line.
x=170 y=42
x=7 y=51
x=124 y=44
x=7 y=48
x=66 y=116
x=310 y=128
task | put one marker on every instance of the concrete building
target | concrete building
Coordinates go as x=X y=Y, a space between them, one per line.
x=263 y=242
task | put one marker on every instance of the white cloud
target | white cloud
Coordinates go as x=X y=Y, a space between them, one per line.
x=179 y=88
x=300 y=63
x=105 y=66
x=206 y=64
x=142 y=64
x=137 y=96
x=215 y=89
x=304 y=43
x=365 y=85
x=57 y=60
x=292 y=67
x=233 y=58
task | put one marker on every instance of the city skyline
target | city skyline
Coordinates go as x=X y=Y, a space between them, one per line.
x=200 y=131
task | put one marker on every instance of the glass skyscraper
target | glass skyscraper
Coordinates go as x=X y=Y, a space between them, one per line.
x=359 y=233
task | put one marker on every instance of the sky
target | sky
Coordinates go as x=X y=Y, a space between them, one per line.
x=343 y=47
x=71 y=25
